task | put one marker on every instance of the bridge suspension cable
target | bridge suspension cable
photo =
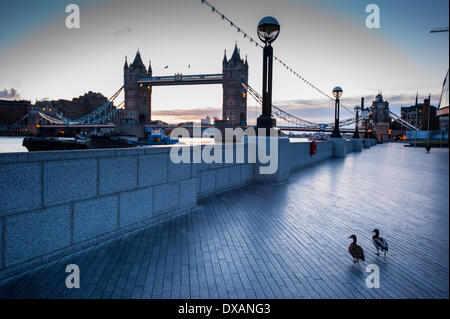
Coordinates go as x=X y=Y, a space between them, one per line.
x=115 y=95
x=21 y=119
x=307 y=124
x=257 y=44
x=402 y=122
x=278 y=112
x=100 y=115
x=282 y=114
x=96 y=113
x=51 y=119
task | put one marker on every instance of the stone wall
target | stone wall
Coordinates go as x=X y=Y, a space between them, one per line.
x=59 y=202
x=300 y=154
x=55 y=203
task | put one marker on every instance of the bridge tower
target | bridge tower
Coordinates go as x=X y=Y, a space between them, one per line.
x=234 y=72
x=137 y=99
x=380 y=117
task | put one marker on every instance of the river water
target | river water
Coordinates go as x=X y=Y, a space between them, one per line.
x=11 y=144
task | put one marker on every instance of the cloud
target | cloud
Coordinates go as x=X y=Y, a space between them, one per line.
x=315 y=110
x=352 y=101
x=12 y=94
x=409 y=99
x=302 y=104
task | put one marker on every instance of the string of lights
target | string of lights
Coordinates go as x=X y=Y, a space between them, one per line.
x=257 y=44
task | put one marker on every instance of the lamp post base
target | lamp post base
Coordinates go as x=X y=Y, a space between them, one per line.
x=267 y=124
x=339 y=146
x=357 y=144
x=265 y=121
x=336 y=134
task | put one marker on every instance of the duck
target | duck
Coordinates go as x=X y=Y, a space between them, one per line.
x=355 y=250
x=379 y=242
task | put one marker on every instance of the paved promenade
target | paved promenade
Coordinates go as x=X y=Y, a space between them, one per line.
x=282 y=241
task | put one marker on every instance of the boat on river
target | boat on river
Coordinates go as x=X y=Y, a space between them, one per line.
x=95 y=141
x=36 y=143
x=155 y=137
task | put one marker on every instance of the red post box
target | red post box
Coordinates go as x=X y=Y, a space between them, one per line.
x=313 y=147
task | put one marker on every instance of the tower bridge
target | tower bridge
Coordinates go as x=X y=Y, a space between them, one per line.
x=139 y=81
x=180 y=79
x=140 y=224
x=135 y=111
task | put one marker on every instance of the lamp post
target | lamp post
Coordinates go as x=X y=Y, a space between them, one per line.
x=366 y=128
x=268 y=30
x=337 y=93
x=356 y=134
x=428 y=104
x=365 y=120
x=371 y=129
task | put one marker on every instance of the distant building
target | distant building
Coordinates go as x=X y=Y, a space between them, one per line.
x=443 y=112
x=158 y=123
x=13 y=111
x=186 y=124
x=223 y=123
x=417 y=115
x=206 y=121
x=79 y=106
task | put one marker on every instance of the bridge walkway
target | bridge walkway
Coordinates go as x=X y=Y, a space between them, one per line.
x=282 y=241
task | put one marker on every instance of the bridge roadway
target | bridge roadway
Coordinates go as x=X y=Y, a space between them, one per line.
x=180 y=79
x=282 y=241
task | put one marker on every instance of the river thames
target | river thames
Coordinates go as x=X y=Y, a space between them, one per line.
x=11 y=144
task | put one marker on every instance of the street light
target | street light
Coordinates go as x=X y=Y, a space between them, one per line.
x=337 y=93
x=366 y=128
x=371 y=128
x=356 y=134
x=268 y=31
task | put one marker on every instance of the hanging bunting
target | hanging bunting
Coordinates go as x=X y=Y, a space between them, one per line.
x=214 y=10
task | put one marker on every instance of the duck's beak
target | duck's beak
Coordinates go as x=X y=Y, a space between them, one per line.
x=349 y=236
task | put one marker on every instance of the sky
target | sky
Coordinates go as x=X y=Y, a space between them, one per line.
x=325 y=41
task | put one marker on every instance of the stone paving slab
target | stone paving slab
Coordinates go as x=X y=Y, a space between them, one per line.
x=282 y=241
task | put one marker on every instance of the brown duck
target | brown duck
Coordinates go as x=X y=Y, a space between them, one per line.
x=355 y=250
